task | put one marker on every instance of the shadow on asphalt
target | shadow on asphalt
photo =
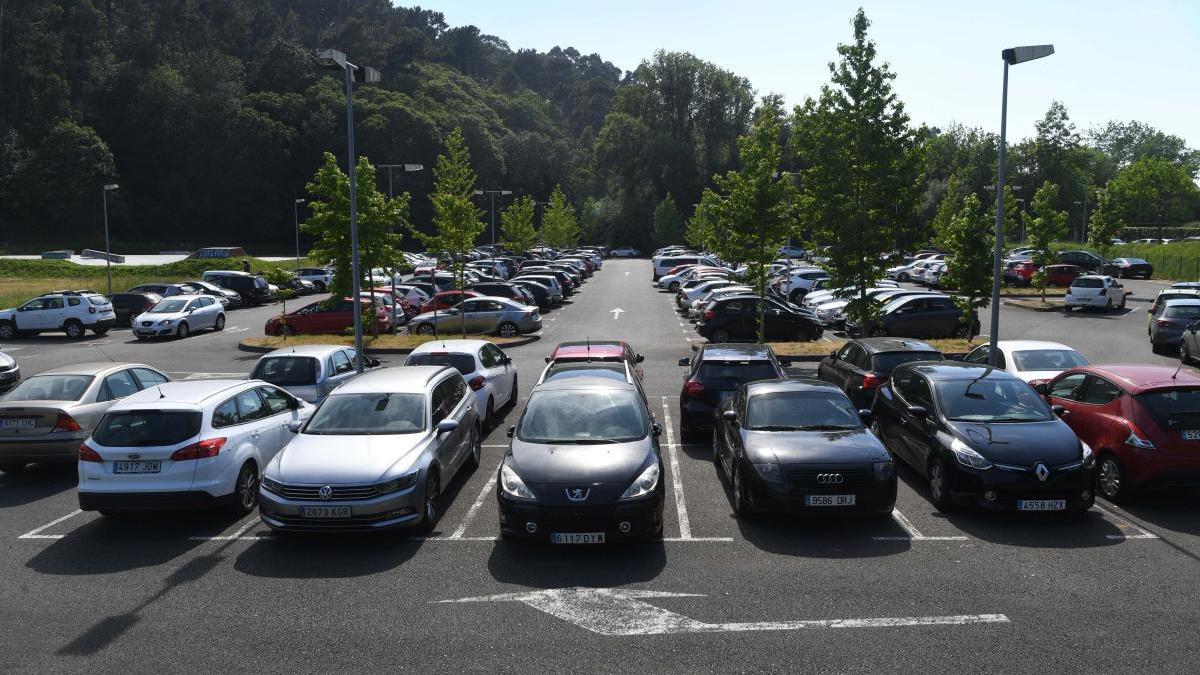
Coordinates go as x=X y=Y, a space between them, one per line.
x=326 y=556
x=36 y=482
x=543 y=565
x=1169 y=509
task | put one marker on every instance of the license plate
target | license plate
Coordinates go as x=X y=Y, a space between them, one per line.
x=18 y=423
x=1041 y=504
x=1191 y=434
x=577 y=538
x=829 y=500
x=137 y=467
x=325 y=511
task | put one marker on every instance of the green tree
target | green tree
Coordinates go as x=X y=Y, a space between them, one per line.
x=862 y=172
x=948 y=208
x=1106 y=224
x=667 y=228
x=516 y=225
x=752 y=205
x=1154 y=190
x=968 y=239
x=590 y=228
x=1046 y=227
x=700 y=230
x=559 y=229
x=1012 y=226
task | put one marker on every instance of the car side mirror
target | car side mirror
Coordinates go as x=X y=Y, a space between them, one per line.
x=373 y=363
x=640 y=358
x=865 y=416
x=918 y=411
x=294 y=426
x=511 y=430
x=685 y=361
x=1059 y=410
x=293 y=404
x=549 y=359
x=1041 y=388
x=833 y=355
x=730 y=416
x=446 y=426
x=785 y=362
x=656 y=429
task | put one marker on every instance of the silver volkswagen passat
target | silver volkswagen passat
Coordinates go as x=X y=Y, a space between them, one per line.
x=376 y=454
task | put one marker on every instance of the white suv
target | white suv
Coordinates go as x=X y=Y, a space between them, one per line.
x=799 y=281
x=319 y=276
x=186 y=445
x=71 y=312
x=1094 y=290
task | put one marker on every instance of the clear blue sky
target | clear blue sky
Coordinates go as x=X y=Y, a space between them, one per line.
x=1114 y=60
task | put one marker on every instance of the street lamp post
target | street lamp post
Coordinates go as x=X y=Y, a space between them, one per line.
x=1011 y=57
x=541 y=221
x=296 y=216
x=336 y=60
x=492 y=194
x=408 y=168
x=1084 y=204
x=107 y=251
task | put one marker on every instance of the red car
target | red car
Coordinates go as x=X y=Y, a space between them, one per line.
x=317 y=319
x=579 y=351
x=1021 y=274
x=1142 y=421
x=1062 y=275
x=446 y=300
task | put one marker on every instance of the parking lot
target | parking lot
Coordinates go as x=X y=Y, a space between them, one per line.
x=1109 y=591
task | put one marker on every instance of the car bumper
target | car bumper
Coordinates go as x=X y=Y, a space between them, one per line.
x=874 y=497
x=1156 y=467
x=695 y=415
x=630 y=521
x=972 y=487
x=154 y=331
x=395 y=510
x=103 y=324
x=1166 y=337
x=150 y=501
x=9 y=379
x=1070 y=301
x=32 y=450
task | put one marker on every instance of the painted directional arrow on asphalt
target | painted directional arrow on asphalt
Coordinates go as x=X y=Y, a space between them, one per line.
x=618 y=611
x=616 y=312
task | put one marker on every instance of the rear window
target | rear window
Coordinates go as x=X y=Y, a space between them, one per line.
x=1183 y=311
x=98 y=300
x=50 y=388
x=736 y=371
x=463 y=363
x=139 y=428
x=1048 y=359
x=1087 y=283
x=1178 y=408
x=286 y=371
x=887 y=362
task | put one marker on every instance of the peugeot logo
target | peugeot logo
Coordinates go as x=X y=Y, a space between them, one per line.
x=325 y=493
x=1041 y=471
x=830 y=478
x=578 y=494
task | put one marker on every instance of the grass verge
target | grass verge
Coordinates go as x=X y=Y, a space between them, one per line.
x=823 y=347
x=1035 y=304
x=381 y=342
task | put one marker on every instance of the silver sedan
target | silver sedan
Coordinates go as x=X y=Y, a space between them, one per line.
x=501 y=316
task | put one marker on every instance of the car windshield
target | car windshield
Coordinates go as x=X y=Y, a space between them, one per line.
x=369 y=414
x=885 y=363
x=463 y=363
x=286 y=371
x=1182 y=312
x=736 y=372
x=991 y=401
x=574 y=416
x=1135 y=261
x=801 y=411
x=1048 y=359
x=169 y=306
x=50 y=388
x=1172 y=408
x=140 y=428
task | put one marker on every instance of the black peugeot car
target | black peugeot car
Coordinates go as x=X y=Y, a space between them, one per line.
x=799 y=446
x=860 y=366
x=584 y=465
x=714 y=375
x=983 y=437
x=736 y=318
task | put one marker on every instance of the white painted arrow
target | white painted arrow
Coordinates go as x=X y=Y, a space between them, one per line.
x=618 y=611
x=616 y=312
x=627 y=274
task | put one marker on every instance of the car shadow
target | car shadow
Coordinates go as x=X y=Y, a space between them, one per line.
x=544 y=565
x=1170 y=509
x=35 y=483
x=326 y=556
x=1089 y=529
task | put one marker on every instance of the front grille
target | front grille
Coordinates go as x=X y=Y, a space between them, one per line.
x=334 y=523
x=808 y=477
x=313 y=492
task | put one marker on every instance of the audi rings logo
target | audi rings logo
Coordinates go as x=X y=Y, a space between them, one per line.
x=830 y=478
x=325 y=492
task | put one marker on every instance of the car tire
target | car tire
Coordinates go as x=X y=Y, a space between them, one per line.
x=219 y=324
x=742 y=508
x=1108 y=307
x=12 y=467
x=100 y=332
x=963 y=332
x=508 y=329
x=489 y=420
x=878 y=331
x=939 y=484
x=430 y=513
x=1122 y=305
x=286 y=331
x=1112 y=481
x=512 y=395
x=903 y=277
x=673 y=287
x=183 y=331
x=476 y=454
x=425 y=329
x=8 y=330
x=1185 y=355
x=720 y=335
x=73 y=329
x=245 y=490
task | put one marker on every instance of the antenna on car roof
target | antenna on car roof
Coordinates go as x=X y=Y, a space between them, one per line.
x=589 y=347
x=160 y=394
x=1176 y=373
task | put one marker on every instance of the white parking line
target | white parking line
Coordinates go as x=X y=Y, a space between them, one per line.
x=34 y=534
x=254 y=520
x=1125 y=524
x=474 y=510
x=913 y=533
x=685 y=528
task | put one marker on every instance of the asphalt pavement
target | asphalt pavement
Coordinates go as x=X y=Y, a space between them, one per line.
x=1111 y=591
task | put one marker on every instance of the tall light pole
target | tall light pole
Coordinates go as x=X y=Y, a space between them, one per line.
x=336 y=60
x=1084 y=204
x=1011 y=57
x=492 y=194
x=541 y=221
x=107 y=251
x=296 y=216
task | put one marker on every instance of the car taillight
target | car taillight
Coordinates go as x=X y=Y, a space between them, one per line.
x=1103 y=292
x=87 y=454
x=476 y=382
x=871 y=381
x=1162 y=323
x=693 y=388
x=206 y=448
x=709 y=314
x=65 y=423
x=1138 y=439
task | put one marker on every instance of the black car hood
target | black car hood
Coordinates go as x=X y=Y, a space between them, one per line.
x=817 y=447
x=1021 y=443
x=615 y=464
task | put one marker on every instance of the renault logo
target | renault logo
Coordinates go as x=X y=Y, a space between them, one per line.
x=326 y=493
x=830 y=478
x=578 y=494
x=1041 y=471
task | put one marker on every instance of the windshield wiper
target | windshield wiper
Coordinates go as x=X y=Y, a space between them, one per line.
x=826 y=427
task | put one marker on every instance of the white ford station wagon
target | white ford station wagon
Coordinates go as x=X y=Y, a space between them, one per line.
x=186 y=445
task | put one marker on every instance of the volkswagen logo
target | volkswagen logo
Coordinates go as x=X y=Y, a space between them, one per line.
x=830 y=478
x=1041 y=471
x=326 y=492
x=578 y=494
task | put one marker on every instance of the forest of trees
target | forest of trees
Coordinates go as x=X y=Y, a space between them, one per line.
x=212 y=115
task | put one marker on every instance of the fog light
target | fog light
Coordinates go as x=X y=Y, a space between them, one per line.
x=990 y=495
x=624 y=527
x=1085 y=495
x=531 y=527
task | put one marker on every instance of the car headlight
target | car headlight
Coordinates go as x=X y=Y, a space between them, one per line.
x=512 y=484
x=1089 y=457
x=885 y=470
x=271 y=485
x=644 y=483
x=967 y=456
x=769 y=471
x=405 y=481
x=166 y=322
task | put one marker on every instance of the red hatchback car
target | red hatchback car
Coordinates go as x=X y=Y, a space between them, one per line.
x=446 y=300
x=1142 y=421
x=597 y=350
x=318 y=319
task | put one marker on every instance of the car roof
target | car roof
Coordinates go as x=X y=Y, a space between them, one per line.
x=1180 y=291
x=1183 y=302
x=879 y=345
x=193 y=392
x=735 y=352
x=98 y=368
x=453 y=346
x=306 y=350
x=957 y=370
x=790 y=384
x=1009 y=346
x=402 y=379
x=590 y=383
x=1140 y=377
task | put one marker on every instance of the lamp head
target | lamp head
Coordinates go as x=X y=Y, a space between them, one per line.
x=110 y=187
x=1015 y=55
x=331 y=58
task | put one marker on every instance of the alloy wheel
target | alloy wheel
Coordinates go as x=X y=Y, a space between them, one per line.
x=1109 y=479
x=425 y=329
x=1185 y=357
x=7 y=331
x=74 y=329
x=183 y=330
x=247 y=489
x=220 y=323
x=937 y=483
x=508 y=329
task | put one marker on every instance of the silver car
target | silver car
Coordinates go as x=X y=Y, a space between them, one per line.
x=179 y=316
x=308 y=372
x=10 y=372
x=487 y=314
x=376 y=454
x=47 y=416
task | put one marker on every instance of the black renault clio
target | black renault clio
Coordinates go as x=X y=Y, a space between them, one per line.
x=983 y=437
